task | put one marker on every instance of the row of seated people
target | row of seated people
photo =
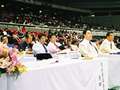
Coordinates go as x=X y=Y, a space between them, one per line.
x=89 y=49
x=85 y=46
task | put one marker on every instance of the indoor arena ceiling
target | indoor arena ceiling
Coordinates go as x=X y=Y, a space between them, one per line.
x=87 y=4
x=96 y=6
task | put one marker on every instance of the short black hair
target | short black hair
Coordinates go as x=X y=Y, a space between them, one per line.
x=51 y=35
x=40 y=35
x=2 y=38
x=85 y=31
x=108 y=33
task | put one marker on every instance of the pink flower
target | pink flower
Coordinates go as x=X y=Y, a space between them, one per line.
x=13 y=56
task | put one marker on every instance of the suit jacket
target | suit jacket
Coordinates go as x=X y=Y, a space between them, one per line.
x=87 y=49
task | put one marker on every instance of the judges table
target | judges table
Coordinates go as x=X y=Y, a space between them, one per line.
x=63 y=75
x=67 y=74
x=114 y=70
x=3 y=82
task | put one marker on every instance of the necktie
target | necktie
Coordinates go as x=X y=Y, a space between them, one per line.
x=93 y=46
x=45 y=48
x=111 y=45
x=56 y=45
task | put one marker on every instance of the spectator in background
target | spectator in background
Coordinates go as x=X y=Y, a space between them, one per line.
x=74 y=45
x=26 y=43
x=108 y=46
x=12 y=41
x=23 y=30
x=68 y=41
x=4 y=40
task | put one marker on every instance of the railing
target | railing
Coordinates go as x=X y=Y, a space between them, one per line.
x=43 y=28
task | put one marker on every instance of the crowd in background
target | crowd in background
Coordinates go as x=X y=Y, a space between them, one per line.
x=48 y=16
x=23 y=39
x=55 y=20
x=12 y=42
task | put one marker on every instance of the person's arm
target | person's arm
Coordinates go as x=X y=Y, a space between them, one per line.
x=105 y=48
x=114 y=47
x=83 y=50
x=35 y=49
x=52 y=49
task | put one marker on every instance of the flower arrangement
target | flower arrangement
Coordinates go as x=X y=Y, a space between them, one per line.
x=9 y=63
x=17 y=69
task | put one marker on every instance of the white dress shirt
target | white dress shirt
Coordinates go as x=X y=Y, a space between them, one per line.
x=87 y=49
x=38 y=48
x=107 y=46
x=53 y=48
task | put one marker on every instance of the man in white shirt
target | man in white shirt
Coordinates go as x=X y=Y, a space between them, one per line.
x=108 y=46
x=53 y=46
x=87 y=48
x=40 y=47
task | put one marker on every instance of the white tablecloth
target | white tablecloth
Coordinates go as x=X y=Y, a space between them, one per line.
x=3 y=82
x=45 y=75
x=27 y=58
x=114 y=70
x=73 y=75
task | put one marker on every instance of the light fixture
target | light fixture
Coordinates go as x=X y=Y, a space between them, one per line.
x=2 y=6
x=40 y=11
x=22 y=8
x=93 y=15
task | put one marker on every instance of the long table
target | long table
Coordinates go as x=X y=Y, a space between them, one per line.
x=74 y=74
x=3 y=82
x=114 y=70
x=65 y=75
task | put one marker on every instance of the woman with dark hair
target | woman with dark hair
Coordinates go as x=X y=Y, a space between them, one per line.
x=53 y=46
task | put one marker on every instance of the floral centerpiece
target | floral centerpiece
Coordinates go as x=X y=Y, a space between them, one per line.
x=9 y=63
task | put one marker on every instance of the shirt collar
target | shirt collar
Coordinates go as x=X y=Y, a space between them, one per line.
x=108 y=41
x=86 y=41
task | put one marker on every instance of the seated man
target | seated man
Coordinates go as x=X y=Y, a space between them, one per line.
x=108 y=45
x=87 y=48
x=39 y=48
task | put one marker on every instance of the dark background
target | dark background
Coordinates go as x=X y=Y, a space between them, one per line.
x=106 y=12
